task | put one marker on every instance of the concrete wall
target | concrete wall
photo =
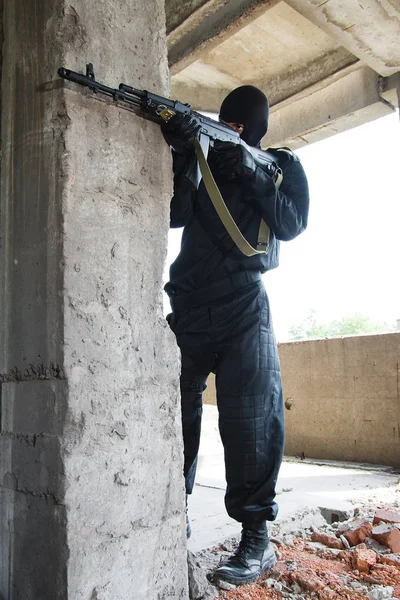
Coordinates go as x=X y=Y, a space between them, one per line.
x=91 y=490
x=342 y=398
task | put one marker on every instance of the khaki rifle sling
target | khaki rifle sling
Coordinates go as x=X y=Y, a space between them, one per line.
x=224 y=214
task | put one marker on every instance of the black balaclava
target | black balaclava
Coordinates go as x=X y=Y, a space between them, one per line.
x=249 y=106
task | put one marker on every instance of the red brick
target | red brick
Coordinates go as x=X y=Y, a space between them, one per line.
x=329 y=540
x=356 y=531
x=387 y=535
x=386 y=516
x=327 y=594
x=390 y=559
x=363 y=559
x=345 y=556
x=307 y=580
x=379 y=567
x=371 y=579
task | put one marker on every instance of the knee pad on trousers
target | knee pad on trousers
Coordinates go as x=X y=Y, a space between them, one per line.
x=193 y=386
x=191 y=399
x=191 y=392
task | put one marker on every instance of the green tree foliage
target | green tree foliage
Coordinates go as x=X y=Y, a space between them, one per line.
x=355 y=324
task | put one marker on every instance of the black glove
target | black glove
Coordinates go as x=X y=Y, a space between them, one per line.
x=180 y=132
x=234 y=161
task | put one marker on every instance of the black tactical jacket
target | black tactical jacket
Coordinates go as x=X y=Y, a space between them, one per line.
x=208 y=254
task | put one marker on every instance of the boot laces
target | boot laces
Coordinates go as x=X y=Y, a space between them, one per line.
x=250 y=542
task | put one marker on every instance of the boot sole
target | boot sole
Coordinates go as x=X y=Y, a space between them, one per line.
x=250 y=578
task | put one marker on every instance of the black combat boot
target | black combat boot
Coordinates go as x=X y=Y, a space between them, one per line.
x=254 y=555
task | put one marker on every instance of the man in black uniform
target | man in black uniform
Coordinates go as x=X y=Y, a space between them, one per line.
x=221 y=316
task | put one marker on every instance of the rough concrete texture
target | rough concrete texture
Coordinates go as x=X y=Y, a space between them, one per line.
x=199 y=586
x=176 y=11
x=229 y=37
x=370 y=30
x=342 y=103
x=91 y=487
x=204 y=87
x=278 y=43
x=33 y=532
x=303 y=55
x=208 y=26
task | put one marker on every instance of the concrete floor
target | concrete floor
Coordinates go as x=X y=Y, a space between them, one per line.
x=301 y=484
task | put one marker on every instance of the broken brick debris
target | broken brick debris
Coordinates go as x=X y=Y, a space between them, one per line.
x=307 y=580
x=345 y=557
x=376 y=546
x=319 y=565
x=356 y=531
x=329 y=540
x=327 y=594
x=363 y=559
x=387 y=535
x=386 y=516
x=391 y=559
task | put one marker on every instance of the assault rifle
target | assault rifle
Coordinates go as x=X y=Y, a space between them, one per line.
x=158 y=109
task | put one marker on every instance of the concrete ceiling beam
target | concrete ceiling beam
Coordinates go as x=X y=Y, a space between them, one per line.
x=177 y=11
x=369 y=29
x=389 y=89
x=278 y=89
x=208 y=26
x=287 y=84
x=341 y=104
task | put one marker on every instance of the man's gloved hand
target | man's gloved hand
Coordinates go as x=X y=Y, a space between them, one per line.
x=234 y=161
x=180 y=132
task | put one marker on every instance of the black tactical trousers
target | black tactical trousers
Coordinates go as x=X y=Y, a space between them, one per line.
x=232 y=336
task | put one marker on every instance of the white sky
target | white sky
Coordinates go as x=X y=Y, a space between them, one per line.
x=347 y=260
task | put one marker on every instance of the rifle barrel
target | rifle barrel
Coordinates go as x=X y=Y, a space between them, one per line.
x=95 y=86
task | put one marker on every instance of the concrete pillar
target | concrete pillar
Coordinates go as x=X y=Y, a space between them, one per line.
x=90 y=459
x=398 y=91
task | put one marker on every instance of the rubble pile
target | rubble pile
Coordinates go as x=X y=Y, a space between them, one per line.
x=356 y=558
